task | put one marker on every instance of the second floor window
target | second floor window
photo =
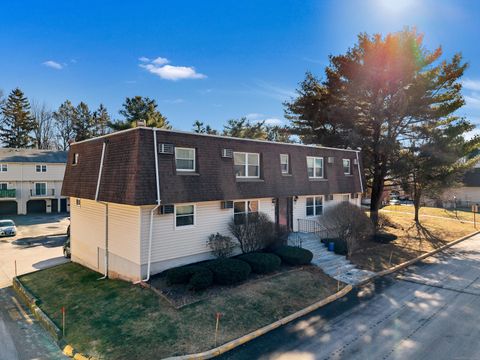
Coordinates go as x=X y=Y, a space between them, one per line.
x=315 y=167
x=346 y=167
x=247 y=165
x=185 y=159
x=284 y=163
x=4 y=167
x=41 y=189
x=41 y=168
x=3 y=186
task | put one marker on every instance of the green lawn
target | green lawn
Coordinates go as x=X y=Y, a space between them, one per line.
x=115 y=319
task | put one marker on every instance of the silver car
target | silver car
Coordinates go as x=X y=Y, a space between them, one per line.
x=7 y=228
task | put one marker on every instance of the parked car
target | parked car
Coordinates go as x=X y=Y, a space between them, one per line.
x=394 y=202
x=66 y=249
x=7 y=228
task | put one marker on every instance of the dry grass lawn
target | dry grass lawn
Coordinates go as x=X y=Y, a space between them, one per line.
x=432 y=211
x=412 y=240
x=113 y=319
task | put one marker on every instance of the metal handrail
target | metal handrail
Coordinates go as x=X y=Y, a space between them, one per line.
x=313 y=226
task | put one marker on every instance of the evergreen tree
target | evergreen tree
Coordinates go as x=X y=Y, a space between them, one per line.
x=141 y=109
x=64 y=118
x=101 y=119
x=17 y=124
x=200 y=128
x=83 y=125
x=243 y=128
x=279 y=133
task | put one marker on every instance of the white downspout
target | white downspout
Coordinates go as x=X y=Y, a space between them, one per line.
x=106 y=210
x=150 y=234
x=359 y=173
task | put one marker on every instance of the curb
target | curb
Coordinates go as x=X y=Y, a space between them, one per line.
x=257 y=333
x=415 y=260
x=32 y=303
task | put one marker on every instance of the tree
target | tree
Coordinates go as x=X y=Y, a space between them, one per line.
x=138 y=109
x=44 y=131
x=243 y=128
x=200 y=128
x=101 y=119
x=17 y=124
x=279 y=133
x=376 y=96
x=436 y=160
x=83 y=125
x=64 y=118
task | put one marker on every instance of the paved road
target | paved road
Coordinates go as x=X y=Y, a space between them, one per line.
x=431 y=311
x=38 y=245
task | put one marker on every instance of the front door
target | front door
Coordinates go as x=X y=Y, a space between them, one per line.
x=284 y=212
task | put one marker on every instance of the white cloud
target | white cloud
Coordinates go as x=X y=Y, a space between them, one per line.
x=273 y=122
x=53 y=64
x=257 y=117
x=254 y=116
x=169 y=72
x=143 y=59
x=470 y=84
x=472 y=100
x=174 y=101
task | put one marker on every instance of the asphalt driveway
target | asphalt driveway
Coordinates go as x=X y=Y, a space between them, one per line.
x=430 y=311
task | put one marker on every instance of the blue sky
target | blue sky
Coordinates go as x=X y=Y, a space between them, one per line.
x=208 y=60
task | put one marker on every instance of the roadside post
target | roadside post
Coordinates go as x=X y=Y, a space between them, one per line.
x=474 y=210
x=217 y=316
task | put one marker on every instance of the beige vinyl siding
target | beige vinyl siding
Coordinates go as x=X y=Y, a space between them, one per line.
x=170 y=242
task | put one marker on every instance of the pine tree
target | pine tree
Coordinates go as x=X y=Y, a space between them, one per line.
x=17 y=123
x=83 y=124
x=138 y=109
x=200 y=128
x=101 y=119
x=243 y=128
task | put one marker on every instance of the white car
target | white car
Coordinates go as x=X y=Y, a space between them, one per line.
x=7 y=228
x=394 y=202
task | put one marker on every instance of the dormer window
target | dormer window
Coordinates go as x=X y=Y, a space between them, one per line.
x=284 y=164
x=315 y=167
x=75 y=159
x=247 y=165
x=185 y=159
x=346 y=167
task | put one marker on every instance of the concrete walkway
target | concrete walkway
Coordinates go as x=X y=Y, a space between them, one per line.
x=336 y=266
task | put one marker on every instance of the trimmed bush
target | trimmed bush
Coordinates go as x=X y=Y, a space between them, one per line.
x=262 y=263
x=229 y=271
x=294 y=255
x=182 y=274
x=221 y=246
x=201 y=280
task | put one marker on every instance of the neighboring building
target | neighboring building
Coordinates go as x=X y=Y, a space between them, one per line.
x=466 y=195
x=202 y=182
x=31 y=181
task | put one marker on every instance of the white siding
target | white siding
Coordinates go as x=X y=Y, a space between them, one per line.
x=169 y=242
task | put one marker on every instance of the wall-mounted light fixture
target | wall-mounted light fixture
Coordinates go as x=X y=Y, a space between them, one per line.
x=295 y=198
x=274 y=201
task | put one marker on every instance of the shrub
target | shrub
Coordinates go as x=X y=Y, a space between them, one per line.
x=229 y=271
x=221 y=246
x=201 y=279
x=262 y=263
x=294 y=255
x=182 y=274
x=254 y=233
x=351 y=224
x=383 y=237
x=384 y=222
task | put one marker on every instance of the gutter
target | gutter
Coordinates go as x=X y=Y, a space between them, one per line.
x=106 y=208
x=150 y=234
x=359 y=173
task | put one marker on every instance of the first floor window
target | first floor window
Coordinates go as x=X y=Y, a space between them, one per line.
x=40 y=189
x=315 y=167
x=184 y=215
x=185 y=159
x=247 y=165
x=345 y=197
x=3 y=167
x=346 y=167
x=314 y=206
x=242 y=210
x=284 y=163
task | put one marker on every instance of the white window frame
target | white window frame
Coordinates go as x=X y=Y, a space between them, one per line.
x=342 y=198
x=194 y=159
x=78 y=202
x=247 y=176
x=314 y=206
x=246 y=212
x=315 y=167
x=194 y=217
x=6 y=185
x=35 y=188
x=349 y=166
x=75 y=159
x=3 y=167
x=287 y=156
x=40 y=168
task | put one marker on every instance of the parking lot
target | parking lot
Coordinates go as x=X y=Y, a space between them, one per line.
x=38 y=244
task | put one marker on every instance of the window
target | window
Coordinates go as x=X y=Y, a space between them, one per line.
x=4 y=167
x=3 y=186
x=346 y=167
x=314 y=206
x=315 y=167
x=40 y=189
x=185 y=159
x=242 y=210
x=284 y=163
x=184 y=215
x=41 y=168
x=247 y=165
x=345 y=197
x=78 y=202
x=75 y=159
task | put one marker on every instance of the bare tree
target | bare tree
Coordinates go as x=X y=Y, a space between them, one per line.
x=44 y=132
x=64 y=119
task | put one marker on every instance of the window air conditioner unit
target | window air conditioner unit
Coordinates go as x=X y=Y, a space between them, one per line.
x=166 y=209
x=226 y=205
x=166 y=148
x=330 y=197
x=331 y=159
x=227 y=153
x=355 y=161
